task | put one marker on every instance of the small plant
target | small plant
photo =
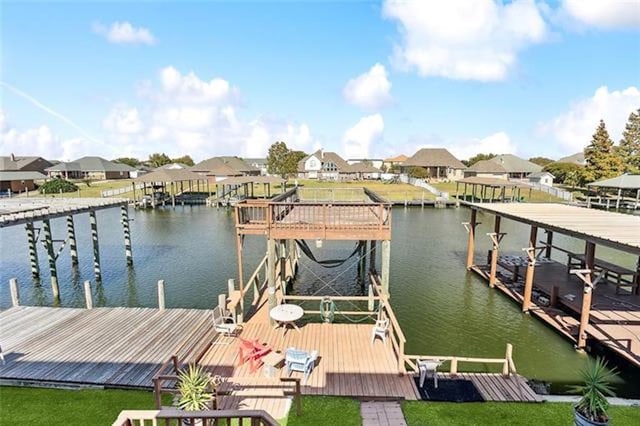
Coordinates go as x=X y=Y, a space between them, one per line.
x=57 y=185
x=597 y=386
x=196 y=388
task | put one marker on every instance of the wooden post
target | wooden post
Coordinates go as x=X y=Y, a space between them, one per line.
x=222 y=302
x=283 y=266
x=96 y=248
x=370 y=302
x=15 y=292
x=127 y=235
x=271 y=275
x=547 y=250
x=161 y=304
x=555 y=294
x=386 y=258
x=507 y=356
x=33 y=250
x=453 y=371
x=88 y=299
x=471 y=229
x=496 y=237
x=51 y=257
x=528 y=281
x=587 y=295
x=618 y=199
x=372 y=255
x=71 y=235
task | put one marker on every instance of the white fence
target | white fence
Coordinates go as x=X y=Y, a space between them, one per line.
x=420 y=183
x=123 y=190
x=556 y=192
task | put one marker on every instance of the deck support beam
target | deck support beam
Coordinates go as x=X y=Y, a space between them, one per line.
x=271 y=275
x=93 y=222
x=386 y=260
x=71 y=236
x=589 y=284
x=496 y=238
x=33 y=250
x=528 y=281
x=283 y=266
x=127 y=235
x=46 y=226
x=372 y=255
x=471 y=229
x=547 y=250
x=239 y=244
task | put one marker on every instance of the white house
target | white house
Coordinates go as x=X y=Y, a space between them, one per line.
x=323 y=165
x=543 y=178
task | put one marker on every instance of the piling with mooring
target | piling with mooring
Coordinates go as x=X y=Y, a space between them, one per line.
x=51 y=257
x=15 y=293
x=88 y=298
x=71 y=235
x=127 y=235
x=33 y=250
x=96 y=248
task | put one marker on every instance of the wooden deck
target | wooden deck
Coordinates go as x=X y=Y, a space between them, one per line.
x=112 y=347
x=614 y=320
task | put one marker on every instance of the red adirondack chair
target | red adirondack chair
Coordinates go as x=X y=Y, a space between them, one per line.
x=251 y=351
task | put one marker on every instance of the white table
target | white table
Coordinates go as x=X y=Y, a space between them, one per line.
x=286 y=315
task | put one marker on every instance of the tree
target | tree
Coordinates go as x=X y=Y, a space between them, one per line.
x=418 y=172
x=563 y=171
x=185 y=159
x=602 y=159
x=478 y=157
x=158 y=160
x=129 y=161
x=629 y=148
x=541 y=161
x=282 y=161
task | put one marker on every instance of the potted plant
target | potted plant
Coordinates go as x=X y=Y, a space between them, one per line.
x=197 y=389
x=592 y=407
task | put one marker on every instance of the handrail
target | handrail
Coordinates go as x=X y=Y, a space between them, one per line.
x=257 y=417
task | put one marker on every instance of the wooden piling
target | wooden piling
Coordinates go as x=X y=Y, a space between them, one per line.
x=528 y=282
x=547 y=250
x=507 y=356
x=71 y=235
x=494 y=252
x=15 y=292
x=386 y=259
x=472 y=236
x=46 y=226
x=87 y=295
x=271 y=274
x=33 y=250
x=370 y=301
x=127 y=235
x=96 y=248
x=161 y=304
x=586 y=297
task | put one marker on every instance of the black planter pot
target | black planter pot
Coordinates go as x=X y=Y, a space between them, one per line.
x=581 y=420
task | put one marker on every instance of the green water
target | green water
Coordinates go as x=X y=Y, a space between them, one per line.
x=441 y=307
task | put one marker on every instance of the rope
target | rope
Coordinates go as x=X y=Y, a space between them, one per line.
x=333 y=263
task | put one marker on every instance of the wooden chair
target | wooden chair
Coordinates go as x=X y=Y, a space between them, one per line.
x=252 y=352
x=380 y=329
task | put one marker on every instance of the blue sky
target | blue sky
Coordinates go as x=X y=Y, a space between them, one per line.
x=363 y=79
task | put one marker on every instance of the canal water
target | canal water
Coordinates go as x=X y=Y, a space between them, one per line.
x=443 y=309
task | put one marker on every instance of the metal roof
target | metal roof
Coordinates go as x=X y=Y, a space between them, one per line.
x=624 y=182
x=9 y=176
x=616 y=230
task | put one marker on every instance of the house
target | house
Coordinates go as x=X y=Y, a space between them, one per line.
x=577 y=158
x=516 y=167
x=323 y=165
x=486 y=169
x=173 y=166
x=439 y=163
x=541 y=178
x=393 y=162
x=220 y=168
x=375 y=162
x=363 y=170
x=94 y=168
x=20 y=173
x=258 y=163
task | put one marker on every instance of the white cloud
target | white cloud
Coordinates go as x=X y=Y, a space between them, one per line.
x=369 y=90
x=464 y=39
x=184 y=114
x=573 y=129
x=124 y=33
x=604 y=14
x=357 y=140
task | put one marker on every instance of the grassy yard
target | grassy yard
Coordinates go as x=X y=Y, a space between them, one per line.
x=326 y=410
x=390 y=191
x=503 y=413
x=93 y=191
x=536 y=196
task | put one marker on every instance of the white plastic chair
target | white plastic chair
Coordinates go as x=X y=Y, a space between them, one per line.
x=426 y=366
x=380 y=329
x=224 y=324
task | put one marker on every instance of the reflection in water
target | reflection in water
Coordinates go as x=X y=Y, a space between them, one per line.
x=443 y=309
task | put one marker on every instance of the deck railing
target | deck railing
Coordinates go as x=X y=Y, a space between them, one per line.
x=396 y=335
x=175 y=416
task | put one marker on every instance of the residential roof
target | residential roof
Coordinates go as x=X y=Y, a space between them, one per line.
x=172 y=166
x=20 y=175
x=616 y=230
x=540 y=174
x=397 y=159
x=363 y=167
x=515 y=164
x=434 y=157
x=487 y=166
x=8 y=163
x=577 y=158
x=493 y=182
x=624 y=181
x=90 y=164
x=170 y=175
x=239 y=180
x=326 y=157
x=224 y=166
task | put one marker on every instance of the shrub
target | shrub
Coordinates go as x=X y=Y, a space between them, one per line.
x=57 y=185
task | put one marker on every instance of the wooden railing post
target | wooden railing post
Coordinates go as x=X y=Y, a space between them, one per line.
x=507 y=356
x=15 y=294
x=161 y=295
x=454 y=367
x=298 y=399
x=157 y=393
x=87 y=295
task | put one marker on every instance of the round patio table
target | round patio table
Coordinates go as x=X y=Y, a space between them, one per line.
x=286 y=315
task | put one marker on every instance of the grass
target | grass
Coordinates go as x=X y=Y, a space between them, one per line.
x=35 y=406
x=503 y=413
x=93 y=191
x=390 y=191
x=536 y=196
x=326 y=410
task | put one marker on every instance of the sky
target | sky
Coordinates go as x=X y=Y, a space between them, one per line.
x=366 y=79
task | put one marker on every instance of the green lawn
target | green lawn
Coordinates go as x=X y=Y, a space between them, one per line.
x=33 y=406
x=326 y=410
x=503 y=413
x=536 y=196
